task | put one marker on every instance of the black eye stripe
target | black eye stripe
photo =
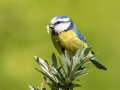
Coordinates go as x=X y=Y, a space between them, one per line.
x=58 y=22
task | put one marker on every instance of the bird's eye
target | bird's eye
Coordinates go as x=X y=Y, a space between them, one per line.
x=58 y=22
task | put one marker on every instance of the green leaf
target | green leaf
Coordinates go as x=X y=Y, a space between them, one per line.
x=31 y=87
x=52 y=74
x=45 y=74
x=45 y=78
x=76 y=65
x=60 y=77
x=80 y=73
x=77 y=59
x=62 y=67
x=42 y=63
x=52 y=87
x=71 y=67
x=79 y=51
x=39 y=60
x=74 y=85
x=87 y=51
x=67 y=56
x=57 y=74
x=41 y=86
x=65 y=64
x=54 y=60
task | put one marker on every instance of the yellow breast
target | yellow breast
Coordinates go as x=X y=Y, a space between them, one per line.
x=68 y=40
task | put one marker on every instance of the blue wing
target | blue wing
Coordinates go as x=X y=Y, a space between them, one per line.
x=94 y=60
x=80 y=35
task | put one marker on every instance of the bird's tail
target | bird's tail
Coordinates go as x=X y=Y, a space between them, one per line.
x=98 y=64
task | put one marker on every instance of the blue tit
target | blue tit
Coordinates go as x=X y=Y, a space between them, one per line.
x=66 y=36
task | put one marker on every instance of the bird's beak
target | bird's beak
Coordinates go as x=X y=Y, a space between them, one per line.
x=51 y=25
x=48 y=27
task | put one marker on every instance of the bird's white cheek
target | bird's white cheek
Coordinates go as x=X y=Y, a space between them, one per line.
x=61 y=27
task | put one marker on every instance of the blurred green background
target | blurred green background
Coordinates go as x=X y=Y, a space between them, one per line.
x=23 y=35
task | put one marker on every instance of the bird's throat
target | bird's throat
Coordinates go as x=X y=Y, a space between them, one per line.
x=53 y=32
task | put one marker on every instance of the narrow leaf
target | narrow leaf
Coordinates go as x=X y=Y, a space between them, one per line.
x=74 y=85
x=31 y=87
x=76 y=65
x=62 y=67
x=51 y=72
x=67 y=56
x=80 y=50
x=41 y=86
x=45 y=74
x=54 y=60
x=65 y=64
x=87 y=51
x=41 y=62
x=81 y=73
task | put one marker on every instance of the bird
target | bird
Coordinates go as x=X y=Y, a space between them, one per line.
x=66 y=36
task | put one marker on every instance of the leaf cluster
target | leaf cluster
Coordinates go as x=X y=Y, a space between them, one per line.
x=63 y=77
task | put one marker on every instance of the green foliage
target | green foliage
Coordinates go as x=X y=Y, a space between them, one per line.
x=71 y=68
